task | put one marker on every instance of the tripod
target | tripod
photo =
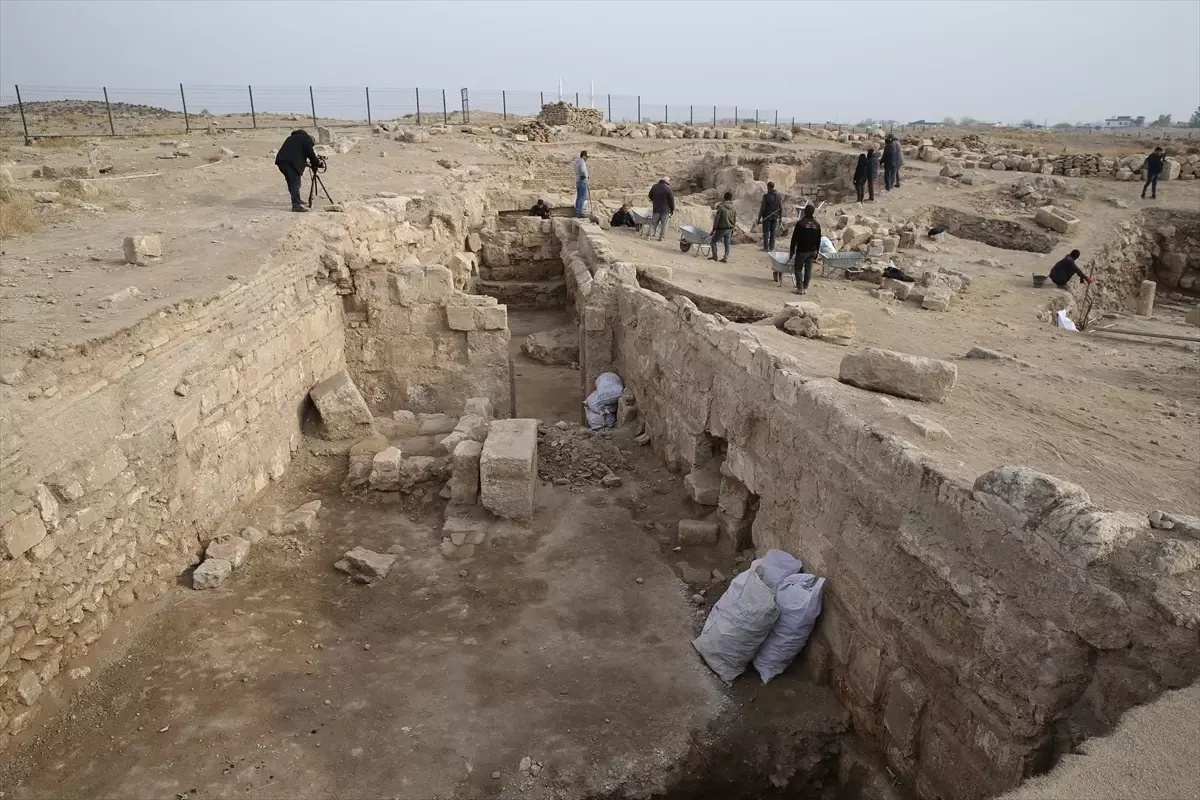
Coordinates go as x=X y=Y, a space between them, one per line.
x=316 y=181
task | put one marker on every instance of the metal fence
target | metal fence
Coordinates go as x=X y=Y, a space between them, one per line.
x=91 y=111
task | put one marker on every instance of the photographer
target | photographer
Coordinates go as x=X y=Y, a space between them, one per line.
x=295 y=154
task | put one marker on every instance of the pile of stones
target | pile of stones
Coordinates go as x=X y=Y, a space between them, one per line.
x=561 y=113
x=571 y=455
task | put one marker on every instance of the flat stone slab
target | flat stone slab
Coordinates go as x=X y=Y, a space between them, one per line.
x=703 y=486
x=366 y=565
x=508 y=468
x=211 y=574
x=233 y=549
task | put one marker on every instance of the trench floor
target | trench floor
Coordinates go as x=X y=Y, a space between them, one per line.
x=548 y=393
x=567 y=641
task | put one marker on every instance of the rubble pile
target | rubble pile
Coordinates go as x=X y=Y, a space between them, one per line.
x=572 y=455
x=535 y=130
x=561 y=113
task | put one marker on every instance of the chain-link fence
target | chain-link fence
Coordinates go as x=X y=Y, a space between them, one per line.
x=45 y=111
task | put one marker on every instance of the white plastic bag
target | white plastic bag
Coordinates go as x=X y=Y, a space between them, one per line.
x=799 y=601
x=776 y=566
x=600 y=407
x=826 y=248
x=1065 y=322
x=737 y=625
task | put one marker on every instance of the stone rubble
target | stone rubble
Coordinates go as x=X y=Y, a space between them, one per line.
x=366 y=566
x=572 y=455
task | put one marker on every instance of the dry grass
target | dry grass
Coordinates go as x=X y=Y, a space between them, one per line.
x=17 y=214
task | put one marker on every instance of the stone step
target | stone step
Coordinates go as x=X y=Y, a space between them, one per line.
x=526 y=294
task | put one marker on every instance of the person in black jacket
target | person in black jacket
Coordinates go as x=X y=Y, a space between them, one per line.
x=540 y=209
x=860 y=176
x=295 y=154
x=872 y=172
x=1062 y=272
x=892 y=159
x=806 y=243
x=622 y=218
x=663 y=201
x=1154 y=168
x=770 y=214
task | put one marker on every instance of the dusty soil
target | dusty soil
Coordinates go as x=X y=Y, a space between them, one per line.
x=567 y=642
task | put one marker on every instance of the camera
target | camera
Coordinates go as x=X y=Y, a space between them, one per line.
x=321 y=166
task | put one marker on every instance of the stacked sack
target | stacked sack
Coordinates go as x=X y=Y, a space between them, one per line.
x=766 y=615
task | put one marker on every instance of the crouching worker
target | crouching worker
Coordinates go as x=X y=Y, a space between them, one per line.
x=294 y=156
x=1062 y=272
x=623 y=219
x=540 y=209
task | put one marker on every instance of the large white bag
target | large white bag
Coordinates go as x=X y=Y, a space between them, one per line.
x=777 y=565
x=737 y=625
x=799 y=600
x=601 y=405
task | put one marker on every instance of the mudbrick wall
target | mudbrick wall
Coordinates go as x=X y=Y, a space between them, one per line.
x=975 y=630
x=117 y=458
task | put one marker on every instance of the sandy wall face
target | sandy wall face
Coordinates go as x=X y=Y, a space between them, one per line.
x=974 y=632
x=129 y=455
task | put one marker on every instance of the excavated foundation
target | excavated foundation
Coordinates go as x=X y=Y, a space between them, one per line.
x=972 y=633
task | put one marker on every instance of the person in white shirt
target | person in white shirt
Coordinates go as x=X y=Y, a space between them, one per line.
x=581 y=182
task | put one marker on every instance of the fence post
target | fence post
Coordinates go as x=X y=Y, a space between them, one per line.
x=666 y=116
x=466 y=106
x=445 y=115
x=639 y=117
x=418 y=91
x=112 y=131
x=541 y=100
x=777 y=119
x=368 y=88
x=313 y=104
x=253 y=116
x=691 y=115
x=756 y=118
x=714 y=116
x=577 y=99
x=504 y=104
x=610 y=108
x=21 y=106
x=735 y=117
x=187 y=125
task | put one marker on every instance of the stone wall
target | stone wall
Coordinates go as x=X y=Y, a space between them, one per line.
x=416 y=340
x=1159 y=245
x=975 y=632
x=118 y=457
x=561 y=113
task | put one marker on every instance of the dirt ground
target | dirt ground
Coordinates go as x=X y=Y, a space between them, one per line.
x=567 y=642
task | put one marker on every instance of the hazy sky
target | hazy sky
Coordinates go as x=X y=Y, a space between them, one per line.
x=839 y=61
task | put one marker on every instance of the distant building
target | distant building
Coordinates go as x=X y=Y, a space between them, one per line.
x=1124 y=122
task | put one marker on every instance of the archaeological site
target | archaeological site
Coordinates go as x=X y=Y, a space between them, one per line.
x=419 y=495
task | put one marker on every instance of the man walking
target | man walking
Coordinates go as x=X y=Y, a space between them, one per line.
x=892 y=159
x=294 y=156
x=1154 y=168
x=770 y=213
x=872 y=171
x=581 y=182
x=806 y=243
x=723 y=223
x=663 y=206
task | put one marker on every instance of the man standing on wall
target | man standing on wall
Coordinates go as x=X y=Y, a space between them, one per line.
x=770 y=213
x=662 y=200
x=806 y=243
x=295 y=154
x=723 y=223
x=1154 y=168
x=581 y=182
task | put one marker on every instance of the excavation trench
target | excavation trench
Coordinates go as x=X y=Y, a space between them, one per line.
x=565 y=639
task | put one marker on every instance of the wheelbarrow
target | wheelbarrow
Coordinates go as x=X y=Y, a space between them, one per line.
x=782 y=266
x=691 y=235
x=641 y=218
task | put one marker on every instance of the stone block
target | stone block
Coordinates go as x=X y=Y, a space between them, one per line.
x=508 y=468
x=697 y=532
x=899 y=289
x=22 y=533
x=883 y=294
x=464 y=472
x=900 y=374
x=733 y=498
x=1145 y=299
x=29 y=688
x=406 y=285
x=300 y=520
x=490 y=318
x=1028 y=491
x=366 y=566
x=211 y=574
x=435 y=424
x=344 y=413
x=1057 y=219
x=833 y=325
x=460 y=318
x=854 y=235
x=703 y=486
x=437 y=285
x=140 y=249
x=233 y=549
x=385 y=470
x=937 y=298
